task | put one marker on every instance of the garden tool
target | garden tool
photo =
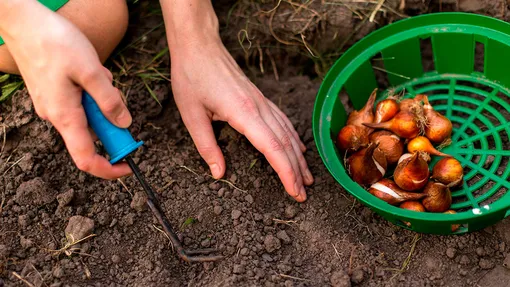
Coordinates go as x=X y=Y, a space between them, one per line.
x=119 y=144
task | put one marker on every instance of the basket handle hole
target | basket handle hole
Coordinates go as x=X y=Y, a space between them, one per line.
x=479 y=57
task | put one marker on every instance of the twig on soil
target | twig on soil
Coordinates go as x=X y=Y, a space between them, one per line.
x=350 y=261
x=405 y=265
x=295 y=278
x=124 y=185
x=38 y=273
x=22 y=279
x=18 y=161
x=221 y=180
x=261 y=57
x=86 y=269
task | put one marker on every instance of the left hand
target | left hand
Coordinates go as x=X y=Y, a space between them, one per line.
x=208 y=85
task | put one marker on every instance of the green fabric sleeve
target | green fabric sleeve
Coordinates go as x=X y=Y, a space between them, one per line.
x=54 y=5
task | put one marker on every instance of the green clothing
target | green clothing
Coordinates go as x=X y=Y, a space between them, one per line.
x=54 y=5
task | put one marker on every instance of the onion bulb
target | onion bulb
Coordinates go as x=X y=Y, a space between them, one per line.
x=423 y=144
x=448 y=171
x=367 y=166
x=439 y=127
x=439 y=197
x=414 y=206
x=406 y=104
x=390 y=144
x=402 y=124
x=365 y=115
x=385 y=110
x=387 y=190
x=412 y=173
x=352 y=137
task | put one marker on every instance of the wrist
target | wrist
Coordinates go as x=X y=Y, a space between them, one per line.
x=190 y=23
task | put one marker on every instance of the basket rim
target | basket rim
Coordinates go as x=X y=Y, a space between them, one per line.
x=338 y=69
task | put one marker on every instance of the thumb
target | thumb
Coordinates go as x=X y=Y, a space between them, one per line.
x=98 y=84
x=200 y=129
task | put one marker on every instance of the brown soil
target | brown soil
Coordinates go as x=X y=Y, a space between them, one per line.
x=268 y=239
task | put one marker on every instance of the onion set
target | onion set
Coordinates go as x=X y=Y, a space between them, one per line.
x=404 y=135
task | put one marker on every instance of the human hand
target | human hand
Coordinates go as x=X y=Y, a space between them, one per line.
x=56 y=61
x=208 y=85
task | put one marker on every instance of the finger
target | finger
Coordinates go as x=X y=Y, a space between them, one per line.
x=286 y=140
x=72 y=125
x=289 y=124
x=250 y=123
x=93 y=134
x=108 y=98
x=108 y=74
x=200 y=129
x=303 y=166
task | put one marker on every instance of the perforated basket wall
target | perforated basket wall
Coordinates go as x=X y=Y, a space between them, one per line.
x=467 y=78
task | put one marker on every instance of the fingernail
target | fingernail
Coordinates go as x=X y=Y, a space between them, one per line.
x=309 y=176
x=215 y=170
x=302 y=195
x=124 y=119
x=297 y=189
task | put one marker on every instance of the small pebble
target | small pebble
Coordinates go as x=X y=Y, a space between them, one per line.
x=486 y=264
x=79 y=227
x=115 y=258
x=218 y=209
x=58 y=272
x=283 y=236
x=65 y=198
x=236 y=214
x=272 y=243
x=139 y=202
x=206 y=243
x=357 y=276
x=267 y=257
x=464 y=260
x=221 y=192
x=290 y=211
x=249 y=199
x=480 y=252
x=450 y=252
x=238 y=269
x=340 y=279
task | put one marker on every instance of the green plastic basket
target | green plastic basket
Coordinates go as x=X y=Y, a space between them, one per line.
x=476 y=98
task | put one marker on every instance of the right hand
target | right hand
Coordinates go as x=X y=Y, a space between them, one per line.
x=56 y=61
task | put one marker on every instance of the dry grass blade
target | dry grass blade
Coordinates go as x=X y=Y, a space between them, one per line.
x=13 y=165
x=220 y=180
x=22 y=279
x=274 y=9
x=376 y=9
x=286 y=222
x=295 y=278
x=336 y=251
x=405 y=265
x=70 y=242
x=164 y=233
x=125 y=186
x=2 y=204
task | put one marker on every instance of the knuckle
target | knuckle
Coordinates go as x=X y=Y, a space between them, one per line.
x=275 y=144
x=83 y=164
x=111 y=104
x=248 y=105
x=89 y=75
x=286 y=142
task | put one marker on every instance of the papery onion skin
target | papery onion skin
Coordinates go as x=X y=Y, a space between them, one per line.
x=412 y=173
x=402 y=124
x=352 y=137
x=367 y=166
x=448 y=171
x=388 y=191
x=390 y=144
x=421 y=143
x=438 y=128
x=385 y=110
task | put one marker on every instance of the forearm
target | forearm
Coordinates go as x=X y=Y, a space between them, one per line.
x=190 y=22
x=16 y=14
